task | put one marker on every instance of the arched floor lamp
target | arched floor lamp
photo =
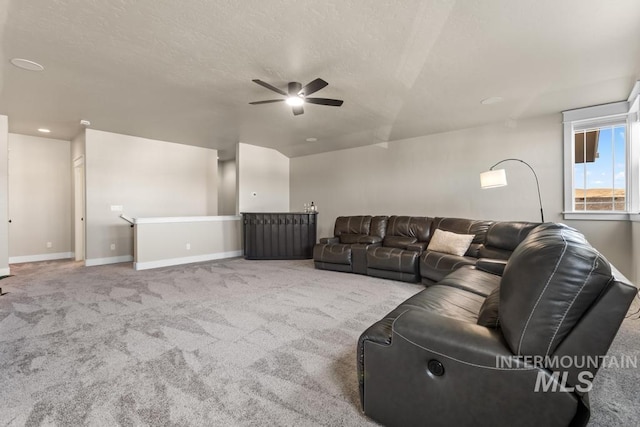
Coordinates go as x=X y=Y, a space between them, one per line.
x=498 y=178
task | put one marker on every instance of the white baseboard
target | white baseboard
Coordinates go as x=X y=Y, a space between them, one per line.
x=110 y=260
x=185 y=260
x=5 y=271
x=40 y=257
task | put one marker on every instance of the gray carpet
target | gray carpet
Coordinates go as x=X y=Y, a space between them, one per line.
x=225 y=343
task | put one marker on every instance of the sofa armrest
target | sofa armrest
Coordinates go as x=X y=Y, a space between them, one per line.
x=455 y=339
x=330 y=240
x=435 y=362
x=493 y=266
x=417 y=247
x=458 y=340
x=359 y=256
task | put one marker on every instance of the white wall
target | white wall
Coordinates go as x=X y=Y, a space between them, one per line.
x=438 y=175
x=148 y=178
x=265 y=172
x=173 y=241
x=39 y=198
x=227 y=199
x=4 y=199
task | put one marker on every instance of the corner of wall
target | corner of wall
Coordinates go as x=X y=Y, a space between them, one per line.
x=212 y=183
x=227 y=187
x=237 y=184
x=4 y=199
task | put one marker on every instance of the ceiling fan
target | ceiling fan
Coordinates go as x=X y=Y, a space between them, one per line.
x=296 y=95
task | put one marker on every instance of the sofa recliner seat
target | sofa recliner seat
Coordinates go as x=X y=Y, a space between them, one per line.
x=337 y=253
x=398 y=256
x=335 y=256
x=434 y=266
x=494 y=240
x=433 y=359
x=472 y=279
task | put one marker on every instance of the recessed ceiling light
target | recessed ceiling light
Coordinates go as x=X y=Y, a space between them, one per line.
x=295 y=101
x=492 y=100
x=25 y=64
x=311 y=139
x=44 y=130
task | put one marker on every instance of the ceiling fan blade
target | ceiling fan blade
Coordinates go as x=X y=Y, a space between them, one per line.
x=269 y=101
x=324 y=101
x=312 y=87
x=268 y=86
x=297 y=110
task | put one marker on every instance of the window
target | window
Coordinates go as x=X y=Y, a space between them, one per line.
x=601 y=161
x=600 y=165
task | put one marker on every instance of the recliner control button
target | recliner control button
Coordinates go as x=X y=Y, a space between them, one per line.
x=435 y=367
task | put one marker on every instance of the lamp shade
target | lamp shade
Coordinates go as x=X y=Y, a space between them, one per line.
x=493 y=178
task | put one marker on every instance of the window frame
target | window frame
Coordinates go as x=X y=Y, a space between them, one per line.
x=600 y=116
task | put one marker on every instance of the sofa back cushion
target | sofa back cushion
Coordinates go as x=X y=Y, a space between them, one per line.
x=359 y=224
x=379 y=225
x=405 y=230
x=465 y=226
x=503 y=237
x=549 y=282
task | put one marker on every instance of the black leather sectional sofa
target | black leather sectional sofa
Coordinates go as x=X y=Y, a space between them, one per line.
x=505 y=334
x=396 y=247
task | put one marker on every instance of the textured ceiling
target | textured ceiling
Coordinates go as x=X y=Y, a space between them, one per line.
x=181 y=70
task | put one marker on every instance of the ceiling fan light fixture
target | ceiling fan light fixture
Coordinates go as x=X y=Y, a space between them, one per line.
x=295 y=101
x=297 y=95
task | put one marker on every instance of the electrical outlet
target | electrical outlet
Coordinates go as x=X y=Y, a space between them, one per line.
x=49 y=245
x=113 y=246
x=188 y=246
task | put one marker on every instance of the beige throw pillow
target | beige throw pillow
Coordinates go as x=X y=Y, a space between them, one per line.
x=450 y=243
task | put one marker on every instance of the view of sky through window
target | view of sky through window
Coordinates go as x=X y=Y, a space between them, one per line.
x=600 y=181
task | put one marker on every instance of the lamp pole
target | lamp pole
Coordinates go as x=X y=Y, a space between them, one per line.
x=535 y=176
